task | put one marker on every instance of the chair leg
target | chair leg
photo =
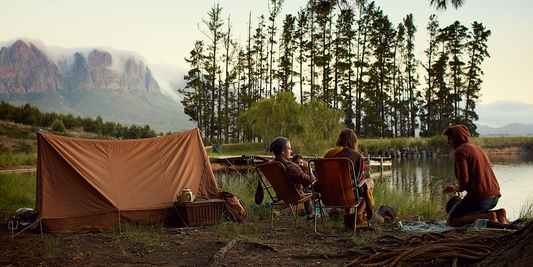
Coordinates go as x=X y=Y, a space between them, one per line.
x=295 y=216
x=354 y=221
x=272 y=217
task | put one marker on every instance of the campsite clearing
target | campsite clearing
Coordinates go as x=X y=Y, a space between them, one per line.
x=250 y=243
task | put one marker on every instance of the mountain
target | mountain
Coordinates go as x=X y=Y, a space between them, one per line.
x=513 y=129
x=119 y=88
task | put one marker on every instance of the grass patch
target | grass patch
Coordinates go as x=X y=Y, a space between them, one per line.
x=17 y=190
x=429 y=204
x=148 y=235
x=12 y=160
x=526 y=211
x=239 y=149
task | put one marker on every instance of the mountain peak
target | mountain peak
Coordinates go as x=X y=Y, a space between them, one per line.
x=24 y=69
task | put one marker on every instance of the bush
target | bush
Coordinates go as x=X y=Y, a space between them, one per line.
x=24 y=147
x=58 y=126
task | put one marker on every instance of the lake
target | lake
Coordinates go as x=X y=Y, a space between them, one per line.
x=418 y=174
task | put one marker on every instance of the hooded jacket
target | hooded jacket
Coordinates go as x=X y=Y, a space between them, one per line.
x=472 y=167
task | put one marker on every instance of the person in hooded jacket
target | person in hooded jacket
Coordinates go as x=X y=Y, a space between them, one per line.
x=475 y=176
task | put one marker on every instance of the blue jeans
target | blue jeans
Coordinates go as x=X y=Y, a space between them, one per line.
x=468 y=206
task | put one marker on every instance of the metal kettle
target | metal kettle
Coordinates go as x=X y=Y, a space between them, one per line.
x=187 y=195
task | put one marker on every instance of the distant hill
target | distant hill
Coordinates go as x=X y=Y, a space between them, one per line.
x=513 y=129
x=117 y=87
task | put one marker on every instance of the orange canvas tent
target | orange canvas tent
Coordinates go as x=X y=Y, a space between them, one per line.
x=85 y=185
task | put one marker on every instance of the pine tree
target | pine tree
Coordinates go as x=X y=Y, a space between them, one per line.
x=477 y=51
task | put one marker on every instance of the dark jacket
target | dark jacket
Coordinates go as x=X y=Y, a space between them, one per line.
x=472 y=167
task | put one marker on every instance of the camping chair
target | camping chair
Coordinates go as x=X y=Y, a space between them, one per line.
x=335 y=178
x=274 y=172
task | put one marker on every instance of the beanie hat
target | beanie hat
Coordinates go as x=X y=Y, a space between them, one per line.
x=278 y=144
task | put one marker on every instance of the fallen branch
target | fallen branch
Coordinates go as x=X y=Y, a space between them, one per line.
x=261 y=246
x=222 y=252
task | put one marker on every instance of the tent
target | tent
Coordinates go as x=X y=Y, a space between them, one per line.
x=85 y=185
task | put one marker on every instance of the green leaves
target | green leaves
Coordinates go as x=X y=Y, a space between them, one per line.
x=311 y=127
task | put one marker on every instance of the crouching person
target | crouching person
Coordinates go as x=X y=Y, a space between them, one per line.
x=474 y=174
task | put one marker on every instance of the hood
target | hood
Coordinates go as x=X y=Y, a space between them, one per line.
x=461 y=135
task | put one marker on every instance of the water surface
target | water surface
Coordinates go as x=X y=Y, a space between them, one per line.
x=420 y=174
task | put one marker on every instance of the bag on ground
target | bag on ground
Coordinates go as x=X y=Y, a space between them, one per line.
x=235 y=206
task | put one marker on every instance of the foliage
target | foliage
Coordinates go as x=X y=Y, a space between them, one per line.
x=59 y=123
x=311 y=127
x=58 y=126
x=271 y=117
x=24 y=147
x=360 y=63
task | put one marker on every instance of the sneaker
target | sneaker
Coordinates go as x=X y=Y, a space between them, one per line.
x=311 y=219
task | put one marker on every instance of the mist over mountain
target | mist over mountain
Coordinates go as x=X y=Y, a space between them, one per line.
x=513 y=129
x=117 y=86
x=506 y=117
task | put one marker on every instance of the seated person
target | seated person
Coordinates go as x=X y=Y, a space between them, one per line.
x=346 y=147
x=282 y=149
x=475 y=176
x=304 y=165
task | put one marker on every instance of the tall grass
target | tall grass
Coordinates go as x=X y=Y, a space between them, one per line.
x=429 y=204
x=11 y=160
x=17 y=190
x=526 y=211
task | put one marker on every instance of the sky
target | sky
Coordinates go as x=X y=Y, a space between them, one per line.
x=163 y=32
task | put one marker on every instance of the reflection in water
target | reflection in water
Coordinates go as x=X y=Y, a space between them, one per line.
x=419 y=174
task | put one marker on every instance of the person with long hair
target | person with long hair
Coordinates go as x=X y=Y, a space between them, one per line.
x=346 y=147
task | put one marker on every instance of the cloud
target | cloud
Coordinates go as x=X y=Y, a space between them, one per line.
x=170 y=78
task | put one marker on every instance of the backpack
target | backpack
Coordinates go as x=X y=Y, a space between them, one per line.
x=235 y=206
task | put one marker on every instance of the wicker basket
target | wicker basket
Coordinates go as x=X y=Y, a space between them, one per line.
x=200 y=212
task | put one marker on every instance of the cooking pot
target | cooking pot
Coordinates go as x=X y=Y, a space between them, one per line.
x=187 y=195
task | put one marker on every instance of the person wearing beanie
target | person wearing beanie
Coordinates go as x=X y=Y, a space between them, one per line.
x=475 y=176
x=282 y=149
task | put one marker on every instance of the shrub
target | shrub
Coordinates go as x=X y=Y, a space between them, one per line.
x=58 y=126
x=24 y=147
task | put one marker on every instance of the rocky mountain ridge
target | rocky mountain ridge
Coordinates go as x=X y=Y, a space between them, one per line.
x=26 y=69
x=116 y=86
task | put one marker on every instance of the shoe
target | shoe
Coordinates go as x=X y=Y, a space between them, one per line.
x=311 y=219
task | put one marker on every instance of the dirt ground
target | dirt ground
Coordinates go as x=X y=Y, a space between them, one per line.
x=251 y=243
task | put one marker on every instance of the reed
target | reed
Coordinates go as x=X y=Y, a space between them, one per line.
x=526 y=211
x=429 y=204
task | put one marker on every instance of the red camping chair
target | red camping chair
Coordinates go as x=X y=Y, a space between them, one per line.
x=274 y=173
x=335 y=178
